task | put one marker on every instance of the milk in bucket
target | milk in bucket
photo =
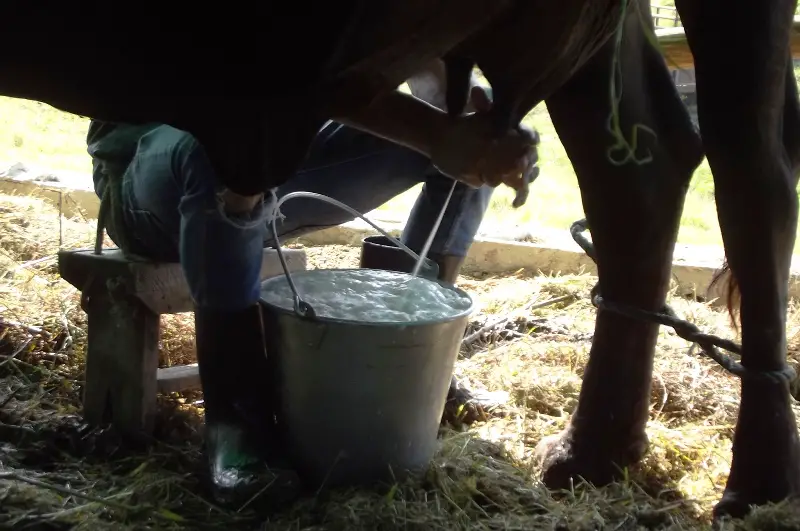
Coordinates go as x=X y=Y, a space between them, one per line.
x=363 y=360
x=371 y=295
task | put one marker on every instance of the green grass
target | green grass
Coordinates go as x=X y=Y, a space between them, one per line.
x=35 y=133
x=555 y=200
x=39 y=134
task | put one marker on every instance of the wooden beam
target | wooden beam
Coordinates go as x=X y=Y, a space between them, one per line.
x=178 y=378
x=161 y=287
x=676 y=51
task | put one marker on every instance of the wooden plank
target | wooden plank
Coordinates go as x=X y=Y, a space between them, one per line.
x=178 y=378
x=121 y=362
x=676 y=50
x=161 y=287
x=671 y=16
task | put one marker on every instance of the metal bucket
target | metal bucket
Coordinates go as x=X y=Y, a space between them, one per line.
x=378 y=252
x=359 y=403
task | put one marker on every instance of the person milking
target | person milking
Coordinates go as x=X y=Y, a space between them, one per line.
x=171 y=212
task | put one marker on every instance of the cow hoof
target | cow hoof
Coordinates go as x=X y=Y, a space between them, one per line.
x=465 y=407
x=765 y=468
x=732 y=506
x=744 y=493
x=562 y=465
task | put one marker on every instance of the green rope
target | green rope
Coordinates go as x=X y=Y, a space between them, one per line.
x=613 y=126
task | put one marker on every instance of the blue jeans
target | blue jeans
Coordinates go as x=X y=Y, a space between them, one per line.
x=174 y=211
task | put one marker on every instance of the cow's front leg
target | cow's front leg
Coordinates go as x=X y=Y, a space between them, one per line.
x=633 y=211
x=749 y=118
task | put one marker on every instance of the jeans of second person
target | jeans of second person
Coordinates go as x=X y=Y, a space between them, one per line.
x=364 y=171
x=174 y=209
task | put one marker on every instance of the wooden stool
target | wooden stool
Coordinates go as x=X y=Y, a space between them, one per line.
x=123 y=300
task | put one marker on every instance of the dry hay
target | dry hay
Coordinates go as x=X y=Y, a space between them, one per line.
x=56 y=473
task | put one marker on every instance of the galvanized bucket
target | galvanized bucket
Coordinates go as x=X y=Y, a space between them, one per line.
x=359 y=403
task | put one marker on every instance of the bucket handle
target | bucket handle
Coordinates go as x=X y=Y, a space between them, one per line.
x=301 y=307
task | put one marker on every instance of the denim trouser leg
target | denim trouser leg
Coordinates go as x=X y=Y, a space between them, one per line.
x=364 y=171
x=460 y=222
x=174 y=209
x=176 y=212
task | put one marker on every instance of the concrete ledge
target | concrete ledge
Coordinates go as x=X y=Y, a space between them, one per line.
x=75 y=203
x=693 y=266
x=692 y=270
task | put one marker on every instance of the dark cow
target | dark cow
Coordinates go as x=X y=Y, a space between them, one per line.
x=229 y=82
x=634 y=208
x=751 y=136
x=227 y=76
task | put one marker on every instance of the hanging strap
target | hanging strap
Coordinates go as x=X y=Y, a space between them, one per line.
x=111 y=215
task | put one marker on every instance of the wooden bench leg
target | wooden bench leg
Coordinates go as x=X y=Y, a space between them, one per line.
x=121 y=362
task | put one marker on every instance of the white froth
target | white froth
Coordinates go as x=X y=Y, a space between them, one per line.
x=368 y=295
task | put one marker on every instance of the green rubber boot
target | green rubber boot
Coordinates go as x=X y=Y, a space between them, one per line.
x=246 y=461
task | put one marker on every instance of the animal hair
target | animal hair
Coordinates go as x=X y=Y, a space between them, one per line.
x=734 y=295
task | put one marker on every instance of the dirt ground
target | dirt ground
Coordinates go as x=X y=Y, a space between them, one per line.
x=58 y=473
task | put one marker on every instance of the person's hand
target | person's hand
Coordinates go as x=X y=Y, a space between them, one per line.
x=470 y=151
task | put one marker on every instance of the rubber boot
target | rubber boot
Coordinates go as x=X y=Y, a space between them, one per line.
x=449 y=267
x=463 y=406
x=378 y=252
x=245 y=456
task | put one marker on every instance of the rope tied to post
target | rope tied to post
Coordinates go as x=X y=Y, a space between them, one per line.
x=709 y=344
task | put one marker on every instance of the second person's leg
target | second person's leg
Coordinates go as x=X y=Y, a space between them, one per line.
x=364 y=171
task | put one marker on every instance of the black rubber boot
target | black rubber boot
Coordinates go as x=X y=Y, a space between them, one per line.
x=449 y=266
x=463 y=406
x=245 y=456
x=378 y=252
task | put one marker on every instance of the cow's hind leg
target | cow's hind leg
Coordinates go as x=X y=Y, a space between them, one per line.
x=633 y=212
x=741 y=91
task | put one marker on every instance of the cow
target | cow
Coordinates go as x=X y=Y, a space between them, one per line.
x=614 y=106
x=633 y=193
x=172 y=68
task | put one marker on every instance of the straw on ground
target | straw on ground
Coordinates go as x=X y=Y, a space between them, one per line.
x=55 y=470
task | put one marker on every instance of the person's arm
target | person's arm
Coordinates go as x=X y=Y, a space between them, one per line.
x=413 y=121
x=403 y=119
x=465 y=148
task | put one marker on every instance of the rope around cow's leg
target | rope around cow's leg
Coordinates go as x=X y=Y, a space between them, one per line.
x=709 y=344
